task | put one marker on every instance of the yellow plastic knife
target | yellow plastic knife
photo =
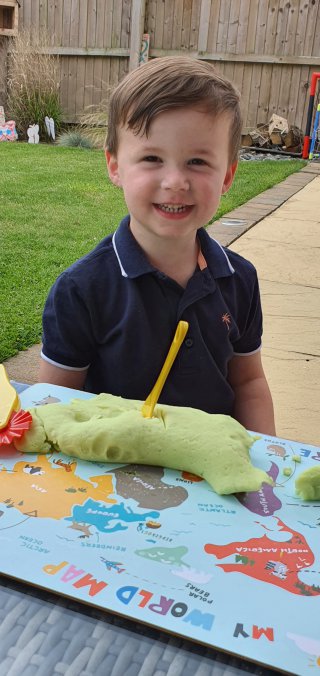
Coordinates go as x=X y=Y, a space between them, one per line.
x=151 y=400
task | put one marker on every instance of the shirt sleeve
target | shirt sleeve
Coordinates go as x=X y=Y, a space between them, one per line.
x=67 y=331
x=250 y=323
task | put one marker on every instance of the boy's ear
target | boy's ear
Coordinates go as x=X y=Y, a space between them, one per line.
x=113 y=169
x=228 y=179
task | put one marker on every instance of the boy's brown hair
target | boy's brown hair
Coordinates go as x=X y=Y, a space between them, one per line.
x=167 y=83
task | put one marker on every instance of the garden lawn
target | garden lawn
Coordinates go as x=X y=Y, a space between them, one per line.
x=56 y=204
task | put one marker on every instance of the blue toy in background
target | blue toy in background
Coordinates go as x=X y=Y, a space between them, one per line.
x=314 y=138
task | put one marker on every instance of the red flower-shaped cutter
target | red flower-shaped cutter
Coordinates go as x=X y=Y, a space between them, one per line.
x=13 y=420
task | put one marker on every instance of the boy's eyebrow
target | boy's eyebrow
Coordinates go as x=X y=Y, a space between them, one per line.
x=203 y=151
x=158 y=150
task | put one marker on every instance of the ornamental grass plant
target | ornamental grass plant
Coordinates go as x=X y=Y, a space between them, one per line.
x=93 y=121
x=33 y=84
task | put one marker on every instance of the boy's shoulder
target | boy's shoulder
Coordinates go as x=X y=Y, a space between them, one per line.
x=95 y=258
x=102 y=261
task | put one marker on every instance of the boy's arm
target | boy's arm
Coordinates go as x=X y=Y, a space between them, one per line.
x=253 y=406
x=55 y=375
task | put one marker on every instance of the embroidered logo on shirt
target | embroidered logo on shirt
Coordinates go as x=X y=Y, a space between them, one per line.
x=226 y=319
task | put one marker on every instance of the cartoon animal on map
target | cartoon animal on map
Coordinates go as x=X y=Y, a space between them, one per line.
x=83 y=528
x=31 y=469
x=47 y=400
x=68 y=466
x=275 y=449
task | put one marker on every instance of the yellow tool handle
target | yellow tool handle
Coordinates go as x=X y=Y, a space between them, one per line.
x=151 y=400
x=9 y=400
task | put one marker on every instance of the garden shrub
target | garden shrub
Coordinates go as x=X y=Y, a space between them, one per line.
x=33 y=84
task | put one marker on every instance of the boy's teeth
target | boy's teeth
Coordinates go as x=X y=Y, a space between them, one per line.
x=172 y=208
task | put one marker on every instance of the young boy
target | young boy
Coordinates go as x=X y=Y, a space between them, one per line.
x=173 y=136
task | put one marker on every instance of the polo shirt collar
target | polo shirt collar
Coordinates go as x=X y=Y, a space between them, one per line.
x=134 y=263
x=131 y=258
x=215 y=255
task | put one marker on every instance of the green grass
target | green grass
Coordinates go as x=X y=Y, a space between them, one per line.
x=253 y=178
x=55 y=205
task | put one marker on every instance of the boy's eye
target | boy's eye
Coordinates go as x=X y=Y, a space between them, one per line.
x=151 y=158
x=197 y=161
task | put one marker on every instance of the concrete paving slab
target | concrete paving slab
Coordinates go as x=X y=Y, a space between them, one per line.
x=311 y=168
x=278 y=298
x=284 y=248
x=296 y=335
x=310 y=209
x=279 y=261
x=294 y=383
x=280 y=228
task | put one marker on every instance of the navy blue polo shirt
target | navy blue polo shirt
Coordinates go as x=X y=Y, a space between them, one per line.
x=115 y=314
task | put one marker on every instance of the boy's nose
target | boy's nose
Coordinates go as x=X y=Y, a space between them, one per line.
x=175 y=180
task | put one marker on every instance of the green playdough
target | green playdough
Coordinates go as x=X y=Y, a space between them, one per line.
x=111 y=429
x=308 y=484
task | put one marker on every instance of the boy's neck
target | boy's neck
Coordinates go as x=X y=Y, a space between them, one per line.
x=176 y=259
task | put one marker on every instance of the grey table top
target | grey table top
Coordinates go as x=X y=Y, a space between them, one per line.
x=44 y=635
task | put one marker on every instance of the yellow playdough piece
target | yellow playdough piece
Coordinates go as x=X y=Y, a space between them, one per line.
x=308 y=484
x=9 y=400
x=111 y=429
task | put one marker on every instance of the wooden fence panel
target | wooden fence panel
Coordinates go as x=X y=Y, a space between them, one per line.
x=269 y=48
x=3 y=69
x=194 y=24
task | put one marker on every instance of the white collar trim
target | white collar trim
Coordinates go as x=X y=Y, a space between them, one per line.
x=123 y=272
x=224 y=253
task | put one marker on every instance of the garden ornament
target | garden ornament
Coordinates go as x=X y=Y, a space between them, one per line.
x=33 y=133
x=49 y=122
x=8 y=131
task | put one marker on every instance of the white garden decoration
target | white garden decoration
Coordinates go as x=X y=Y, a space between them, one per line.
x=33 y=133
x=49 y=122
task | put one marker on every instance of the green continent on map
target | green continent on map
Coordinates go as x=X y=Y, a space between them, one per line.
x=168 y=555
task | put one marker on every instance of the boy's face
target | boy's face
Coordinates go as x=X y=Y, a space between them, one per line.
x=173 y=179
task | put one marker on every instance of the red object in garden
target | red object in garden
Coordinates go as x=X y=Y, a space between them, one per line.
x=19 y=422
x=307 y=138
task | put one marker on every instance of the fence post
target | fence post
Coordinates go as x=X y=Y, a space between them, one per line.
x=205 y=9
x=138 y=11
x=3 y=70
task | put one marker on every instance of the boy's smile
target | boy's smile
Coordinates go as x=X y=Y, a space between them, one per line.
x=174 y=211
x=173 y=178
